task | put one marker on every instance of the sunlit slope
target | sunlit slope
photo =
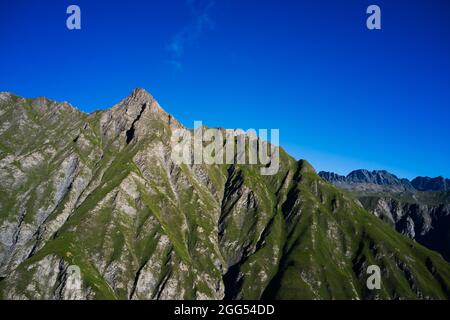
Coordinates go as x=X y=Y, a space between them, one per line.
x=101 y=192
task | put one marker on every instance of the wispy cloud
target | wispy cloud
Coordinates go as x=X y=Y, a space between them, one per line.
x=201 y=21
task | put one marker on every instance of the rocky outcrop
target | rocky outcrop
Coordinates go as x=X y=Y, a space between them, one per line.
x=426 y=223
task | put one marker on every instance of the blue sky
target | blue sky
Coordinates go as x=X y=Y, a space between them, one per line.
x=342 y=96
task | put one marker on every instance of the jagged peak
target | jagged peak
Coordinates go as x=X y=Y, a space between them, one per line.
x=385 y=178
x=331 y=176
x=127 y=115
x=431 y=184
x=135 y=100
x=141 y=94
x=42 y=101
x=39 y=101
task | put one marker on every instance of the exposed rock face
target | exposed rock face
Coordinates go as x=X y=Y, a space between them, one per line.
x=431 y=184
x=419 y=209
x=426 y=223
x=93 y=207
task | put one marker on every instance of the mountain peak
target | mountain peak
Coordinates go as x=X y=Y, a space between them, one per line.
x=385 y=178
x=135 y=116
x=365 y=179
x=134 y=103
x=431 y=184
x=141 y=94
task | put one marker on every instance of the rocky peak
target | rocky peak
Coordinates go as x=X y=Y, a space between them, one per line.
x=384 y=178
x=431 y=184
x=381 y=177
x=365 y=178
x=141 y=94
x=138 y=110
x=332 y=177
x=134 y=103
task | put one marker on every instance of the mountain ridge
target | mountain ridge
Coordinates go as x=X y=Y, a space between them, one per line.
x=100 y=192
x=385 y=178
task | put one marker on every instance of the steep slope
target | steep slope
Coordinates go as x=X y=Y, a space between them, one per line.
x=422 y=213
x=100 y=192
x=418 y=217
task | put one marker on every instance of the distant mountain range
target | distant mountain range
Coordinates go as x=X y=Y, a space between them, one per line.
x=431 y=184
x=419 y=208
x=383 y=180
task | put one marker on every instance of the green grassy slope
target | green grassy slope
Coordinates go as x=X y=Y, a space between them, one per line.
x=141 y=227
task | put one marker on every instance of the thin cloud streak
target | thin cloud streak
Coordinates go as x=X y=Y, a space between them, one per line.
x=191 y=32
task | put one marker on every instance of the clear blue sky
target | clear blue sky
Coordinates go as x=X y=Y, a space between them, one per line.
x=342 y=96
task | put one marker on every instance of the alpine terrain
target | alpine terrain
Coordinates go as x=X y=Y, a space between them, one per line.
x=419 y=208
x=99 y=193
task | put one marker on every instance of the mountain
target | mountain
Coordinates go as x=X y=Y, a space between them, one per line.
x=427 y=223
x=364 y=180
x=100 y=194
x=431 y=184
x=419 y=209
